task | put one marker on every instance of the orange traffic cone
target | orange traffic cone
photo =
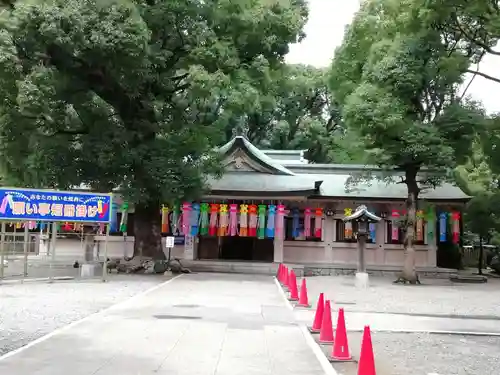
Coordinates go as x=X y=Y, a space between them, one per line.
x=318 y=316
x=292 y=285
x=286 y=278
x=279 y=275
x=326 y=333
x=366 y=364
x=340 y=350
x=303 y=300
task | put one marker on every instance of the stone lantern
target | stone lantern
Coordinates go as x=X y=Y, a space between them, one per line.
x=363 y=218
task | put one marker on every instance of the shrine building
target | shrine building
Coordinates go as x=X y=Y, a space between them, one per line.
x=273 y=206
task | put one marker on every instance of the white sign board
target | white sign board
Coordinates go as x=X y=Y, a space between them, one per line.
x=169 y=241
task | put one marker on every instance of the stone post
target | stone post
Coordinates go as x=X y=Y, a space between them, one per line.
x=361 y=252
x=278 y=250
x=189 y=244
x=328 y=238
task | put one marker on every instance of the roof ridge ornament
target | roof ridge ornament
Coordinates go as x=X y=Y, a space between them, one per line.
x=240 y=130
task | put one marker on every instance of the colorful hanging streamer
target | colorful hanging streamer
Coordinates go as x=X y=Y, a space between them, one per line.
x=348 y=224
x=271 y=217
x=195 y=219
x=223 y=220
x=261 y=231
x=395 y=225
x=279 y=224
x=318 y=222
x=212 y=226
x=204 y=219
x=176 y=217
x=420 y=225
x=233 y=219
x=186 y=218
x=430 y=218
x=455 y=217
x=295 y=223
x=442 y=226
x=307 y=222
x=164 y=219
x=124 y=220
x=372 y=231
x=244 y=220
x=252 y=220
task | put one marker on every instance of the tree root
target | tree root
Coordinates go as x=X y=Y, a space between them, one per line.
x=403 y=280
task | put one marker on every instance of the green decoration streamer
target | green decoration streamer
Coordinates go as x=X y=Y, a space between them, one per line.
x=175 y=219
x=123 y=222
x=261 y=229
x=430 y=217
x=204 y=219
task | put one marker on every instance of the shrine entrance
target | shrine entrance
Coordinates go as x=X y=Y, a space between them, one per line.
x=238 y=248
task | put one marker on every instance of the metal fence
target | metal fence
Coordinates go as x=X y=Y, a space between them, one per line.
x=42 y=256
x=470 y=255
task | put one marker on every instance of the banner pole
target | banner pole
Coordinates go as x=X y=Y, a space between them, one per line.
x=53 y=251
x=26 y=244
x=2 y=250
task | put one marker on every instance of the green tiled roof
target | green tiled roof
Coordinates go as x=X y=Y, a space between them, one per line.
x=262 y=182
x=320 y=180
x=333 y=185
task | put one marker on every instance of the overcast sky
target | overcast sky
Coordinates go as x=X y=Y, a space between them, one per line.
x=325 y=30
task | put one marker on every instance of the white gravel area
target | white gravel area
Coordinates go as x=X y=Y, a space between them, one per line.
x=433 y=297
x=31 y=310
x=418 y=353
x=396 y=353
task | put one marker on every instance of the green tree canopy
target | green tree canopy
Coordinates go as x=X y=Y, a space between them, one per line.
x=293 y=109
x=132 y=93
x=473 y=27
x=396 y=80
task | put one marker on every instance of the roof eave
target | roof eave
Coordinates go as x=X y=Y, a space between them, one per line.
x=277 y=193
x=390 y=199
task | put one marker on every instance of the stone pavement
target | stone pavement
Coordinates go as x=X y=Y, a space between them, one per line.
x=386 y=322
x=434 y=297
x=438 y=306
x=195 y=325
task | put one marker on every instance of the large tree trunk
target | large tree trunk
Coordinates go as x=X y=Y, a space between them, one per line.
x=147 y=231
x=409 y=273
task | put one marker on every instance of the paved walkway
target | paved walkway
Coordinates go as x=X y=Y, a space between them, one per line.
x=197 y=324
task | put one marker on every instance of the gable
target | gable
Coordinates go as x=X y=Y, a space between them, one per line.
x=240 y=161
x=241 y=155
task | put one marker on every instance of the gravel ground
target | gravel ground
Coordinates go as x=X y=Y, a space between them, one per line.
x=29 y=311
x=424 y=354
x=433 y=297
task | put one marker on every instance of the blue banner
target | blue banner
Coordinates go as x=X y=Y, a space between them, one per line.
x=52 y=205
x=179 y=240
x=442 y=227
x=372 y=230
